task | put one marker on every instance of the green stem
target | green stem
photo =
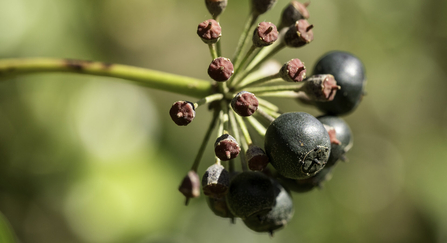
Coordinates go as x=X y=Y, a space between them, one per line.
x=237 y=136
x=213 y=50
x=263 y=89
x=259 y=81
x=280 y=94
x=218 y=48
x=241 y=44
x=208 y=99
x=257 y=125
x=141 y=76
x=205 y=141
x=244 y=129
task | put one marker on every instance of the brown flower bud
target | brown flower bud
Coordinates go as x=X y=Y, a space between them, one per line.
x=221 y=69
x=322 y=87
x=182 y=112
x=216 y=7
x=293 y=71
x=209 y=31
x=245 y=103
x=226 y=147
x=265 y=34
x=299 y=34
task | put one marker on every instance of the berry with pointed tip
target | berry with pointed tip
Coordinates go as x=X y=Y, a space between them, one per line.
x=244 y=103
x=190 y=186
x=321 y=87
x=250 y=193
x=221 y=69
x=278 y=217
x=349 y=72
x=256 y=158
x=297 y=144
x=265 y=34
x=299 y=34
x=293 y=12
x=293 y=71
x=182 y=112
x=216 y=7
x=215 y=181
x=262 y=6
x=226 y=147
x=342 y=133
x=209 y=31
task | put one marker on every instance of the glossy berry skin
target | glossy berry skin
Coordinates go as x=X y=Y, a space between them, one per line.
x=343 y=134
x=308 y=184
x=250 y=193
x=297 y=144
x=279 y=216
x=349 y=73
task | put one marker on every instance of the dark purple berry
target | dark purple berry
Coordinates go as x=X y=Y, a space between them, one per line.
x=297 y=144
x=256 y=158
x=321 y=87
x=216 y=7
x=265 y=34
x=215 y=181
x=250 y=193
x=308 y=184
x=221 y=69
x=293 y=71
x=262 y=6
x=278 y=217
x=245 y=103
x=226 y=147
x=182 y=112
x=299 y=34
x=293 y=12
x=209 y=31
x=349 y=73
x=343 y=135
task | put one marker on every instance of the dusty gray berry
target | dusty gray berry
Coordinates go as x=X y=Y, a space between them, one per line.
x=245 y=103
x=215 y=181
x=293 y=12
x=221 y=69
x=293 y=71
x=299 y=34
x=226 y=147
x=297 y=144
x=265 y=34
x=182 y=112
x=250 y=193
x=278 y=217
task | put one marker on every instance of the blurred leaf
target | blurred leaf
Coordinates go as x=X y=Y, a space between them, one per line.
x=6 y=233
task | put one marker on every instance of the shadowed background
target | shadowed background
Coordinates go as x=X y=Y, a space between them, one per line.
x=91 y=159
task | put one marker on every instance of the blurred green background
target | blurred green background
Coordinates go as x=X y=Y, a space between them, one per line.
x=91 y=159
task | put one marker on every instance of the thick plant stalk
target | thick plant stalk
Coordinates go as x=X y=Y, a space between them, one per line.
x=141 y=76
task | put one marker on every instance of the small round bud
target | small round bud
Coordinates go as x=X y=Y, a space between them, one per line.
x=265 y=34
x=299 y=34
x=245 y=103
x=216 y=7
x=221 y=69
x=321 y=87
x=209 y=31
x=226 y=147
x=262 y=6
x=190 y=186
x=293 y=12
x=182 y=112
x=293 y=71
x=257 y=159
x=215 y=181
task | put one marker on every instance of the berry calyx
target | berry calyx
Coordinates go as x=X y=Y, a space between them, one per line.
x=321 y=87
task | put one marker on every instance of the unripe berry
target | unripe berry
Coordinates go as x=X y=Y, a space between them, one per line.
x=226 y=147
x=190 y=186
x=245 y=103
x=221 y=69
x=293 y=12
x=297 y=144
x=262 y=6
x=293 y=71
x=182 y=112
x=216 y=7
x=265 y=34
x=209 y=31
x=256 y=158
x=321 y=87
x=215 y=181
x=299 y=34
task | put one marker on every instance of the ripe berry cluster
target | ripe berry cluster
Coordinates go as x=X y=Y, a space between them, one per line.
x=301 y=149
